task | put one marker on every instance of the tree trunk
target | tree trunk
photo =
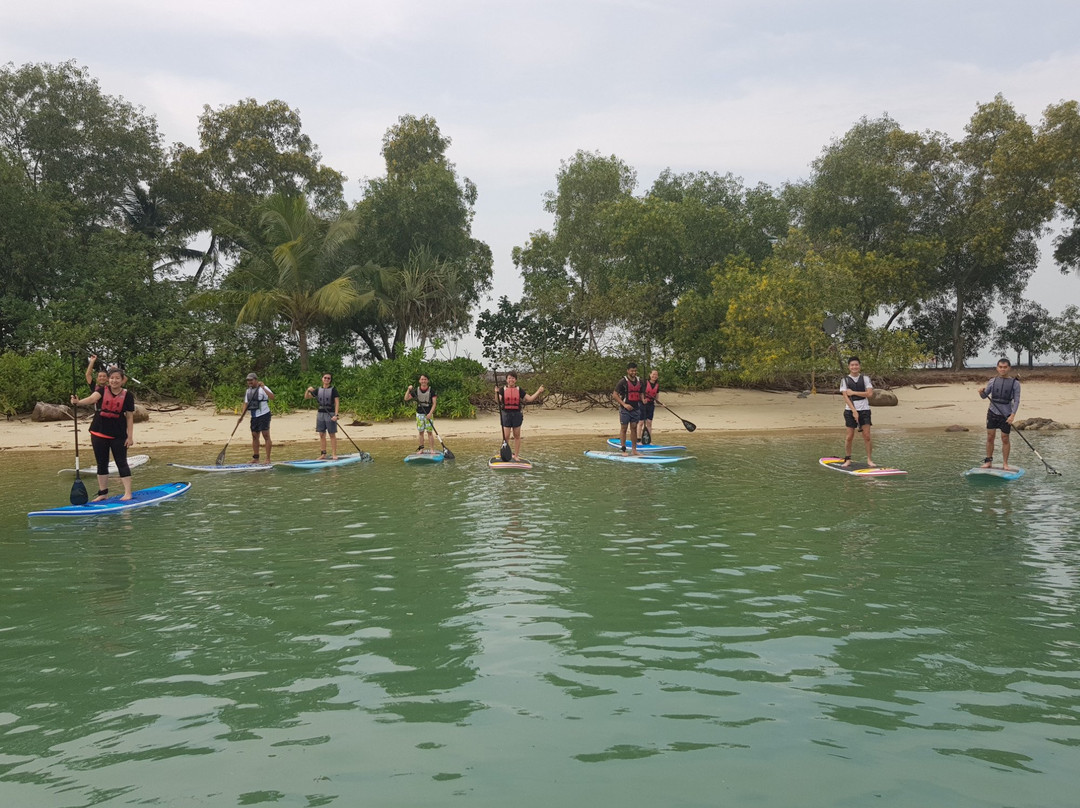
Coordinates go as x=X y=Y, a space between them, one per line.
x=301 y=335
x=958 y=331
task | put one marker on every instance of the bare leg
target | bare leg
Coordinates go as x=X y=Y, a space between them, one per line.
x=633 y=438
x=102 y=485
x=847 y=445
x=622 y=437
x=255 y=447
x=1006 y=445
x=866 y=440
x=126 y=481
x=989 y=448
x=333 y=445
x=517 y=443
x=269 y=444
x=322 y=443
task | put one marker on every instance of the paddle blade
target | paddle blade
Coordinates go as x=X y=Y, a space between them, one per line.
x=646 y=437
x=447 y=453
x=689 y=426
x=221 y=457
x=78 y=493
x=505 y=453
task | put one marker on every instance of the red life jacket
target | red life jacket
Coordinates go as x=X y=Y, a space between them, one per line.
x=511 y=398
x=113 y=406
x=633 y=391
x=651 y=392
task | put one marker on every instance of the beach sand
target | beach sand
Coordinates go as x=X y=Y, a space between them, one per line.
x=719 y=410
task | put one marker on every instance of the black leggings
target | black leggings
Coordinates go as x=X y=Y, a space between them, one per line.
x=102 y=447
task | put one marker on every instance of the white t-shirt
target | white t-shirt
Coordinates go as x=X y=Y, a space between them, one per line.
x=861 y=404
x=264 y=402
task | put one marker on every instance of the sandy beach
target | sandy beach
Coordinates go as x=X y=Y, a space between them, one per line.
x=719 y=410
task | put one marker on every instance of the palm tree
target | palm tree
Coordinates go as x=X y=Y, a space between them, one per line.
x=292 y=269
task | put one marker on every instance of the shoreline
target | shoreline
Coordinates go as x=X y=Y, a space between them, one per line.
x=713 y=411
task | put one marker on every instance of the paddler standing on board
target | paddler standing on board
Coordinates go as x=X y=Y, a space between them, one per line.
x=629 y=394
x=112 y=430
x=327 y=417
x=426 y=401
x=257 y=400
x=1004 y=395
x=511 y=398
x=650 y=398
x=856 y=390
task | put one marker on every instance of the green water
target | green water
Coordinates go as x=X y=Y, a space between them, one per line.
x=747 y=629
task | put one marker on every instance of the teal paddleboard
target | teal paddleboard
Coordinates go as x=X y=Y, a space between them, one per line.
x=326 y=462
x=994 y=474
x=422 y=458
x=646 y=447
x=139 y=499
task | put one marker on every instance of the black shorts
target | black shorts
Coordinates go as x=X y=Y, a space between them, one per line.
x=648 y=410
x=864 y=419
x=511 y=418
x=995 y=420
x=260 y=424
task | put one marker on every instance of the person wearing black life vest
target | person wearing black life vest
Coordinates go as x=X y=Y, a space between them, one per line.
x=327 y=417
x=257 y=400
x=629 y=394
x=111 y=431
x=1004 y=395
x=426 y=401
x=650 y=398
x=856 y=390
x=511 y=398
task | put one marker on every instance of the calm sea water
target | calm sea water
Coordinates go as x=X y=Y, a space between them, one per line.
x=746 y=629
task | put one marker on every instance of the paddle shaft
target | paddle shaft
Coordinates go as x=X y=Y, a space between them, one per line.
x=221 y=455
x=506 y=454
x=689 y=426
x=346 y=434
x=78 y=494
x=445 y=448
x=1049 y=469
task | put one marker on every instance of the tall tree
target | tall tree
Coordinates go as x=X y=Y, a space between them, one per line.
x=292 y=269
x=1028 y=327
x=72 y=141
x=1059 y=141
x=247 y=151
x=415 y=233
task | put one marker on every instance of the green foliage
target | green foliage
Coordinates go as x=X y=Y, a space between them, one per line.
x=1028 y=327
x=1066 y=335
x=587 y=376
x=40 y=376
x=380 y=388
x=513 y=337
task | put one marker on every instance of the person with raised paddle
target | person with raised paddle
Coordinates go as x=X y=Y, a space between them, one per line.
x=511 y=400
x=326 y=420
x=257 y=400
x=1004 y=395
x=857 y=390
x=650 y=398
x=102 y=375
x=628 y=394
x=426 y=401
x=112 y=431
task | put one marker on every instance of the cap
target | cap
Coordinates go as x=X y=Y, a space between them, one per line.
x=251 y=377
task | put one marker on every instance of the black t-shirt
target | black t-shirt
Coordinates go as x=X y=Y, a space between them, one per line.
x=110 y=419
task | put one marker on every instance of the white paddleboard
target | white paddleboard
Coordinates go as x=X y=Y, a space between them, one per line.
x=994 y=473
x=134 y=461
x=226 y=467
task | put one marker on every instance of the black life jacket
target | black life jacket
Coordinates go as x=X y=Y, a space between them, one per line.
x=511 y=397
x=112 y=406
x=998 y=394
x=857 y=385
x=633 y=391
x=253 y=398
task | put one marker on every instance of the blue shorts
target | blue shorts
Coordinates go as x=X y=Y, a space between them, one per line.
x=631 y=416
x=260 y=423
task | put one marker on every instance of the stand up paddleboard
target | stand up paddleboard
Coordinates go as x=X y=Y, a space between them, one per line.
x=644 y=460
x=226 y=467
x=858 y=469
x=646 y=447
x=134 y=461
x=994 y=474
x=498 y=463
x=326 y=462
x=422 y=458
x=139 y=499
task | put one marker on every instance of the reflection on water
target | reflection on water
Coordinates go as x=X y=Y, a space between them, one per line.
x=746 y=628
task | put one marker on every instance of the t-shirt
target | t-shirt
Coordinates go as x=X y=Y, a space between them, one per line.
x=258 y=402
x=110 y=419
x=848 y=383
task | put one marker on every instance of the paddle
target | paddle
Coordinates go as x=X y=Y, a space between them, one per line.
x=78 y=488
x=506 y=454
x=221 y=455
x=446 y=451
x=1049 y=469
x=346 y=434
x=689 y=426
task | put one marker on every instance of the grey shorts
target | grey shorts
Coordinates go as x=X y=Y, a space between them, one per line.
x=324 y=423
x=260 y=424
x=631 y=416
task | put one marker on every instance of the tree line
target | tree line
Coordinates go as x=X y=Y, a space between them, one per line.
x=195 y=263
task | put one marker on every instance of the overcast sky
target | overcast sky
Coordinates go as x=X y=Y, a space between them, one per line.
x=754 y=87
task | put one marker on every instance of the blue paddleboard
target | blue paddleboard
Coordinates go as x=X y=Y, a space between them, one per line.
x=139 y=499
x=325 y=463
x=646 y=447
x=424 y=457
x=994 y=474
x=643 y=460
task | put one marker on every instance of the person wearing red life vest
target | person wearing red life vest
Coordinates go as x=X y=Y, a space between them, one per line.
x=629 y=394
x=511 y=399
x=650 y=398
x=111 y=431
